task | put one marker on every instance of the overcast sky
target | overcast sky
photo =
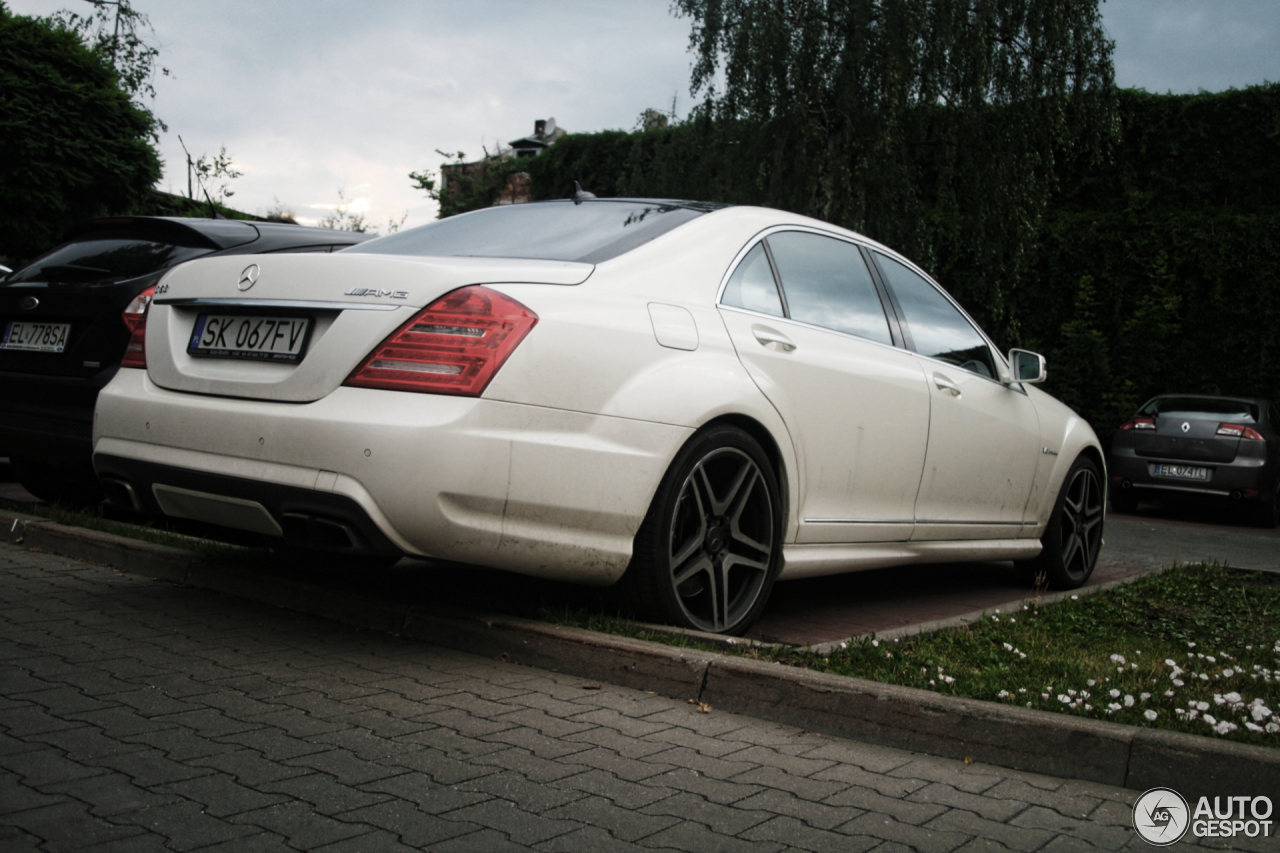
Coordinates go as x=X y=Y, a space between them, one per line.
x=310 y=96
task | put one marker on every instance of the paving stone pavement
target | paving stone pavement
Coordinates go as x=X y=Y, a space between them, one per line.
x=138 y=715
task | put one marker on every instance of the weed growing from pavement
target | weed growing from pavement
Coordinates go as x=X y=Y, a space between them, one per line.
x=91 y=518
x=1192 y=649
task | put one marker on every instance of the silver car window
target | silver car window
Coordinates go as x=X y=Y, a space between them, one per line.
x=752 y=286
x=937 y=328
x=827 y=284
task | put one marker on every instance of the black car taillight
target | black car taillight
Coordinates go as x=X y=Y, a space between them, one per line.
x=1239 y=431
x=1139 y=423
x=135 y=318
x=453 y=346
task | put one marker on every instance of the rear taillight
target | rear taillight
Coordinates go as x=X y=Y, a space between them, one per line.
x=453 y=346
x=1239 y=431
x=135 y=318
x=1139 y=423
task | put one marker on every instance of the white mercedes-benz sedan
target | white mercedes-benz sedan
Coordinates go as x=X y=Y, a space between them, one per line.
x=690 y=400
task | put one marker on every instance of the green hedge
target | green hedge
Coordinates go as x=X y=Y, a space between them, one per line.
x=1158 y=272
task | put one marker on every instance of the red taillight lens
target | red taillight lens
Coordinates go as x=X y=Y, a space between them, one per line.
x=135 y=318
x=453 y=346
x=1139 y=423
x=1239 y=431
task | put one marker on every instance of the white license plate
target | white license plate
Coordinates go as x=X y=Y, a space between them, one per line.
x=252 y=337
x=36 y=337
x=1180 y=472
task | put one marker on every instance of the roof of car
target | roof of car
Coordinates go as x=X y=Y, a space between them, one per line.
x=218 y=233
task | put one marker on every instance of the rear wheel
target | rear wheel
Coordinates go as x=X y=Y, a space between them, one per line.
x=1123 y=500
x=709 y=548
x=1074 y=535
x=66 y=484
x=1266 y=513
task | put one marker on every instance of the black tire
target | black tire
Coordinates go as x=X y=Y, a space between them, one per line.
x=1123 y=500
x=57 y=484
x=1266 y=513
x=1074 y=535
x=711 y=545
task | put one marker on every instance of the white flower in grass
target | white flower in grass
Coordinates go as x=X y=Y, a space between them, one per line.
x=1181 y=712
x=1253 y=727
x=1272 y=728
x=1077 y=598
x=1114 y=693
x=1088 y=707
x=1149 y=714
x=1112 y=708
x=1117 y=658
x=1211 y=719
x=1178 y=682
x=932 y=683
x=875 y=643
x=1133 y=666
x=1259 y=711
x=1022 y=690
x=1191 y=645
x=1224 y=727
x=995 y=618
x=1227 y=673
x=948 y=679
x=1008 y=647
x=1192 y=714
x=1044 y=696
x=1203 y=677
x=1145 y=696
x=1211 y=659
x=1064 y=699
x=1168 y=694
x=1233 y=697
x=1002 y=694
x=1084 y=694
x=1071 y=693
x=1091 y=682
x=1128 y=700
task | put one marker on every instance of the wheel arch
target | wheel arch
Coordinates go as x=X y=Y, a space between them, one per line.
x=772 y=451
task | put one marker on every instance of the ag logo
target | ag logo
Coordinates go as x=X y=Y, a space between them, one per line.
x=1161 y=816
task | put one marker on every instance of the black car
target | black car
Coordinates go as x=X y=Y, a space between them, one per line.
x=1180 y=444
x=64 y=329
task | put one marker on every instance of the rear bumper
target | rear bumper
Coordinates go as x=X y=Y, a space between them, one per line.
x=541 y=491
x=1244 y=477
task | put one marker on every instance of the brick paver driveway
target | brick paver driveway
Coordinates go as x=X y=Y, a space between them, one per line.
x=139 y=715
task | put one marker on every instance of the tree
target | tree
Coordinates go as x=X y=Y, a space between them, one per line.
x=931 y=125
x=114 y=31
x=72 y=144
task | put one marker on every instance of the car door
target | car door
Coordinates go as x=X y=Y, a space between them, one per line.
x=984 y=436
x=809 y=324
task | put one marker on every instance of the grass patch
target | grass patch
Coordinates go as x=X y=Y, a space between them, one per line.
x=91 y=518
x=1193 y=649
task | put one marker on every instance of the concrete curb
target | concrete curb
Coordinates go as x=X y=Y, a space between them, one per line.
x=868 y=711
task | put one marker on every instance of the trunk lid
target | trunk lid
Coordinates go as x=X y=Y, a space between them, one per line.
x=1186 y=439
x=337 y=307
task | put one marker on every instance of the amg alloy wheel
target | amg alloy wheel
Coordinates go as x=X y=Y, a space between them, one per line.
x=1074 y=535
x=710 y=547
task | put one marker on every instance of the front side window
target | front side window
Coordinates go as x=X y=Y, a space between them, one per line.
x=936 y=326
x=827 y=284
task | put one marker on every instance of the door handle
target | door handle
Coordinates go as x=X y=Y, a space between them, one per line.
x=946 y=385
x=768 y=337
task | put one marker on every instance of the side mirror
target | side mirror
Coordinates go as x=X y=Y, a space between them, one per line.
x=1026 y=366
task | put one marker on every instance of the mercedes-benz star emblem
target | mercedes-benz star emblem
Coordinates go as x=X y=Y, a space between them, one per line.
x=1186 y=427
x=248 y=277
x=28 y=302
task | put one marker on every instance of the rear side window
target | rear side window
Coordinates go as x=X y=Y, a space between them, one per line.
x=936 y=326
x=105 y=258
x=752 y=285
x=1190 y=408
x=827 y=284
x=589 y=232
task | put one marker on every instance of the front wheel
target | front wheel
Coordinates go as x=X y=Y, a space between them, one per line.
x=709 y=548
x=1074 y=535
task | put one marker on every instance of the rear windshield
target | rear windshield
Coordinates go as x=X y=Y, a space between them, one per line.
x=109 y=258
x=590 y=232
x=1191 y=408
